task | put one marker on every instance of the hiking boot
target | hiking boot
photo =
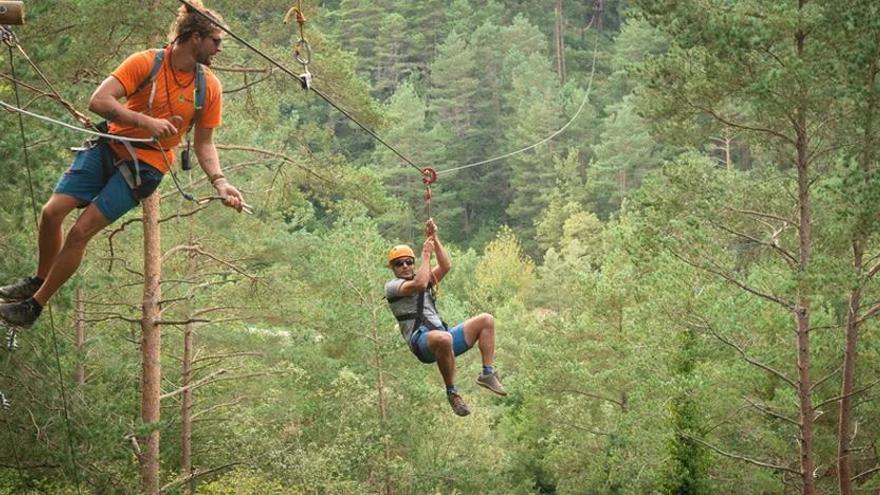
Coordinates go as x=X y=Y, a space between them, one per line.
x=458 y=405
x=491 y=382
x=21 y=290
x=20 y=314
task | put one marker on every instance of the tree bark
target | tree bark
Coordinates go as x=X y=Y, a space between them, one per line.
x=559 y=43
x=802 y=305
x=851 y=337
x=186 y=405
x=151 y=347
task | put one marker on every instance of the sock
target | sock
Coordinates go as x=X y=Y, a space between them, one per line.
x=488 y=370
x=450 y=389
x=37 y=307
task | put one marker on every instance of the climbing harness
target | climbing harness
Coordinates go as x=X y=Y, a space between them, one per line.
x=302 y=51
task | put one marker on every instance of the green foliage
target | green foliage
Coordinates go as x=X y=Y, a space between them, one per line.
x=504 y=274
x=245 y=482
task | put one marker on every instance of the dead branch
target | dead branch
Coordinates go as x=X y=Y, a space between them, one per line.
x=181 y=481
x=740 y=457
x=193 y=385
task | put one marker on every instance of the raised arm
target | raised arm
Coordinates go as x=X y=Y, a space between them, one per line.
x=444 y=263
x=423 y=272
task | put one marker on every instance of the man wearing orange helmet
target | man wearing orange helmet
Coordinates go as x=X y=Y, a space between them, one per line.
x=411 y=297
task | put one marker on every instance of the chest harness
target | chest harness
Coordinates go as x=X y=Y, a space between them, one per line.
x=130 y=169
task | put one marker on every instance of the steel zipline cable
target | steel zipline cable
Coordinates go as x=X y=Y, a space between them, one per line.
x=289 y=72
x=548 y=138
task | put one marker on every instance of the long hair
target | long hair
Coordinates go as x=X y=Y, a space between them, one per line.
x=189 y=21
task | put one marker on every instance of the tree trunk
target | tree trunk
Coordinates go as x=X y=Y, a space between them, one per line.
x=802 y=310
x=79 y=374
x=383 y=417
x=559 y=43
x=186 y=407
x=848 y=381
x=151 y=347
x=802 y=304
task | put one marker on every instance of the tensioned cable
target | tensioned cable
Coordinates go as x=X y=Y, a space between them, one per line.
x=292 y=74
x=71 y=450
x=10 y=344
x=11 y=39
x=115 y=137
x=548 y=138
x=376 y=136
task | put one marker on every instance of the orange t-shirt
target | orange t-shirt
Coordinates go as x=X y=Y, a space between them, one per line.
x=176 y=100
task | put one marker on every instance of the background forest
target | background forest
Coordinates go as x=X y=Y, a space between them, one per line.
x=684 y=280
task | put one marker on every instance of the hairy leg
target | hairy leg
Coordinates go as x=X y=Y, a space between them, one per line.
x=50 y=236
x=481 y=329
x=440 y=344
x=68 y=259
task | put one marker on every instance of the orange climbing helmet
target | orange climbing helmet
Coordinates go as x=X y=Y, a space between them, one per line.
x=400 y=251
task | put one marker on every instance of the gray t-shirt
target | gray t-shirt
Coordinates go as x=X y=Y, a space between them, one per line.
x=404 y=308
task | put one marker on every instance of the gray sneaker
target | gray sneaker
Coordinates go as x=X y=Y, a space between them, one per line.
x=21 y=290
x=491 y=382
x=21 y=314
x=458 y=405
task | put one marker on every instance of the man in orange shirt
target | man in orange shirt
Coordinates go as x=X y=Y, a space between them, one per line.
x=164 y=110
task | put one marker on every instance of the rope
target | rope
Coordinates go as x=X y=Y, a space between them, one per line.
x=24 y=142
x=10 y=347
x=295 y=76
x=12 y=108
x=9 y=37
x=548 y=138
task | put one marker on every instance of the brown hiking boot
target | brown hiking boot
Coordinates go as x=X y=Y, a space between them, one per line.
x=458 y=405
x=491 y=382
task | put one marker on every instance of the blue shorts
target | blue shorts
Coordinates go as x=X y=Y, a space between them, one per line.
x=420 y=341
x=94 y=178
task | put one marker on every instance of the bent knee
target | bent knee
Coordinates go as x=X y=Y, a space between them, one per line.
x=55 y=211
x=487 y=320
x=440 y=340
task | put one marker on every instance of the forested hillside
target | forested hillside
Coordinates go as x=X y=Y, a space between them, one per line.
x=684 y=280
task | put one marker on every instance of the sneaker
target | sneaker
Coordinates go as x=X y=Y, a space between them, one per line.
x=21 y=290
x=458 y=404
x=20 y=314
x=491 y=382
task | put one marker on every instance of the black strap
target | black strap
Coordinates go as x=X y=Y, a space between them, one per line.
x=406 y=317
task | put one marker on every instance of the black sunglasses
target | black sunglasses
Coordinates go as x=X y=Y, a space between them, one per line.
x=404 y=262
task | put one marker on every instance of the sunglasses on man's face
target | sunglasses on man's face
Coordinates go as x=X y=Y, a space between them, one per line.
x=404 y=262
